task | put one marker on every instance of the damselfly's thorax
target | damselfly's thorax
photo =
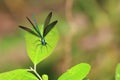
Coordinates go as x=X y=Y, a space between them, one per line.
x=43 y=42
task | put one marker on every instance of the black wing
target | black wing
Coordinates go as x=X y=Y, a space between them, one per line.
x=47 y=20
x=32 y=25
x=48 y=28
x=29 y=30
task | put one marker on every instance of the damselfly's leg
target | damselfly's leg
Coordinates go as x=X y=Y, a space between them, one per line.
x=37 y=46
x=36 y=41
x=49 y=45
x=46 y=47
x=41 y=48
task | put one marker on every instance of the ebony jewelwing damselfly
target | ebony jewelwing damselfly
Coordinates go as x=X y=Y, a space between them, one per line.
x=47 y=27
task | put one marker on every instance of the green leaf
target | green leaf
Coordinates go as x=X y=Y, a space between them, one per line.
x=38 y=52
x=77 y=72
x=86 y=78
x=19 y=74
x=117 y=75
x=45 y=77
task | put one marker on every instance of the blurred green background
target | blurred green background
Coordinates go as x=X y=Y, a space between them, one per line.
x=89 y=32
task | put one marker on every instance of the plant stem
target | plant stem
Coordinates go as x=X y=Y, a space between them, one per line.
x=35 y=67
x=34 y=70
x=37 y=75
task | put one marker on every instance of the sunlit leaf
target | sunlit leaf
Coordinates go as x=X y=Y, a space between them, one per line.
x=117 y=75
x=45 y=77
x=78 y=72
x=19 y=74
x=36 y=51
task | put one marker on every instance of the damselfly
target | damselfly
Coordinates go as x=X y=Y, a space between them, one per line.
x=47 y=27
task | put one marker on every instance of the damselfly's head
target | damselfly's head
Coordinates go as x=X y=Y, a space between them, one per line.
x=47 y=27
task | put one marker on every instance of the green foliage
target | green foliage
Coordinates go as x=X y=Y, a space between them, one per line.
x=45 y=77
x=117 y=75
x=85 y=78
x=77 y=72
x=19 y=74
x=36 y=51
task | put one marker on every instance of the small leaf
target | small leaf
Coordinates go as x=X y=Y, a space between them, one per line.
x=117 y=75
x=45 y=77
x=36 y=51
x=19 y=74
x=78 y=72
